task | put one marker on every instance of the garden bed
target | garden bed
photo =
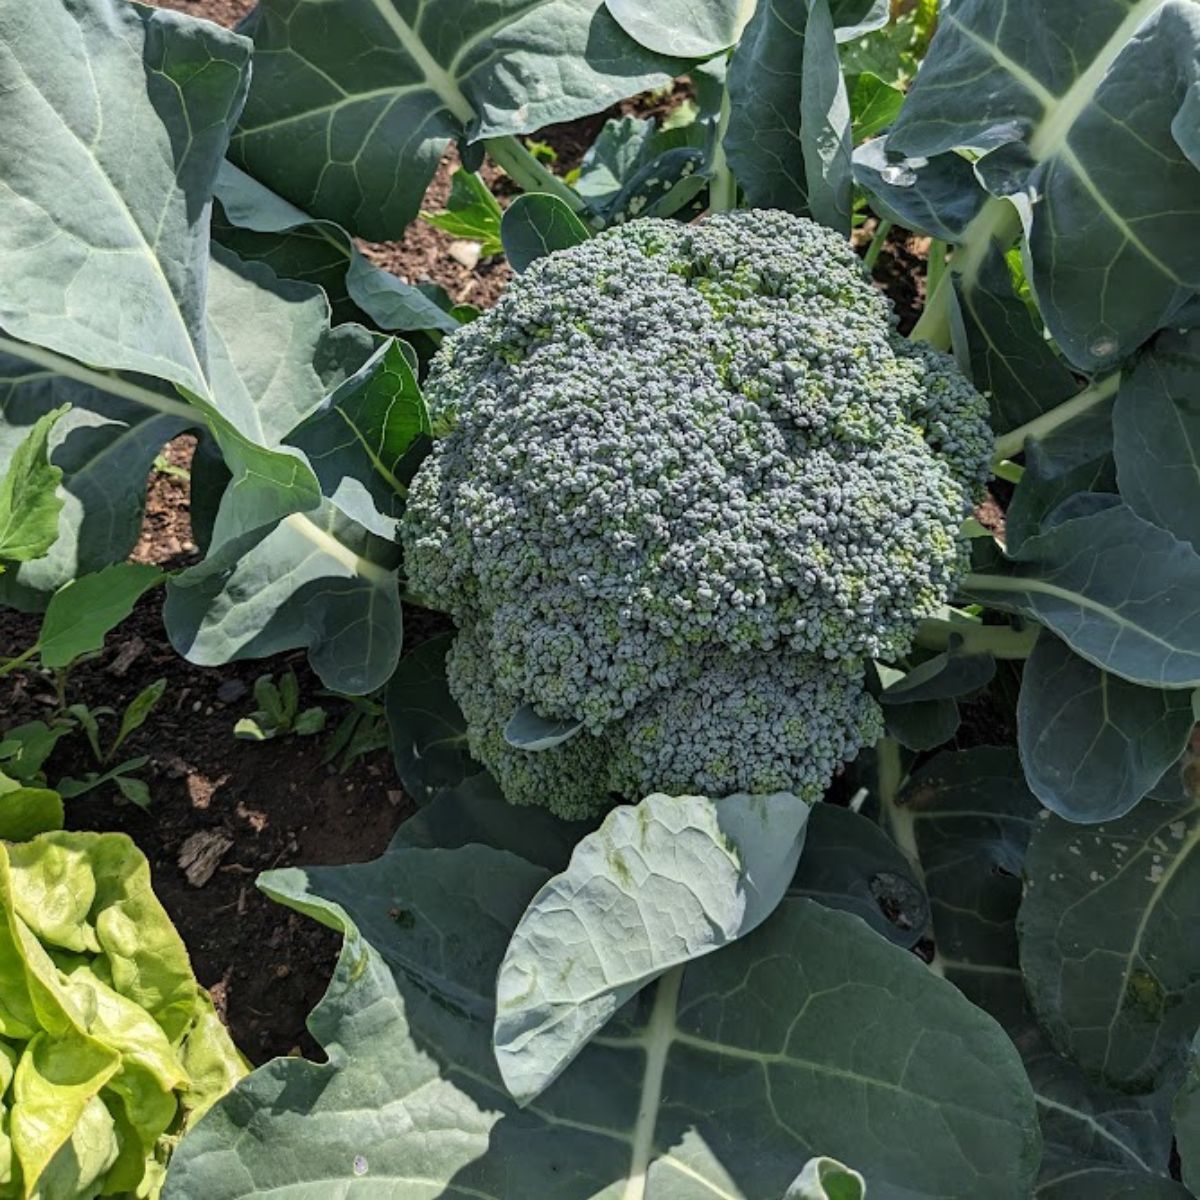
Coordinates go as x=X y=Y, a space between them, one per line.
x=274 y=801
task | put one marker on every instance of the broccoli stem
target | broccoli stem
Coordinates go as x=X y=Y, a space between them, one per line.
x=933 y=326
x=1000 y=641
x=872 y=255
x=935 y=264
x=1008 y=470
x=1013 y=442
x=722 y=189
x=996 y=222
x=889 y=774
x=530 y=175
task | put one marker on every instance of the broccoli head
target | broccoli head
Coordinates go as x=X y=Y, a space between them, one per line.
x=692 y=469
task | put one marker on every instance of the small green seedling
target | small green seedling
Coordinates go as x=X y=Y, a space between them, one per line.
x=278 y=711
x=25 y=751
x=136 y=791
x=471 y=213
x=360 y=732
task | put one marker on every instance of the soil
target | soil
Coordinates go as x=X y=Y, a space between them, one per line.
x=256 y=806
x=259 y=805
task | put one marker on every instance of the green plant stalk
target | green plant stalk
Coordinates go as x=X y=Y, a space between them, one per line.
x=1008 y=470
x=935 y=266
x=933 y=325
x=722 y=190
x=13 y=664
x=997 y=221
x=873 y=250
x=1013 y=442
x=524 y=169
x=1000 y=641
x=889 y=772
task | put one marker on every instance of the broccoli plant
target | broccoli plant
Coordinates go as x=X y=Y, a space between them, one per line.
x=704 y=522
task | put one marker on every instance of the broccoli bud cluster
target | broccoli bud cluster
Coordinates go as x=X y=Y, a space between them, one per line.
x=693 y=479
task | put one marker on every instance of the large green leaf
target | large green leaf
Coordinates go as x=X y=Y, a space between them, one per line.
x=1102 y=168
x=967 y=818
x=476 y=811
x=1093 y=745
x=273 y=359
x=426 y=729
x=1085 y=1126
x=971 y=821
x=1104 y=1184
x=850 y=863
x=683 y=28
x=354 y=101
x=939 y=196
x=317 y=580
x=788 y=134
x=1187 y=1119
x=535 y=225
x=810 y=1036
x=1119 y=591
x=1156 y=435
x=1107 y=940
x=1044 y=487
x=113 y=121
x=366 y=441
x=659 y=884
x=1011 y=361
x=257 y=224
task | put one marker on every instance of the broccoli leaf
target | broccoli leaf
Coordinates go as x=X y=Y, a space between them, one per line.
x=1044 y=112
x=131 y=297
x=827 y=1179
x=104 y=445
x=767 y=142
x=1156 y=435
x=1106 y=945
x=315 y=579
x=1119 y=591
x=811 y=1013
x=472 y=72
x=1104 y=1184
x=527 y=731
x=258 y=225
x=535 y=225
x=425 y=727
x=683 y=28
x=1011 y=361
x=850 y=863
x=1187 y=1119
x=1093 y=745
x=968 y=816
x=660 y=883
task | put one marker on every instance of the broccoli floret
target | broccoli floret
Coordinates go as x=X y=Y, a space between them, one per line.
x=771 y=723
x=676 y=445
x=782 y=722
x=569 y=779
